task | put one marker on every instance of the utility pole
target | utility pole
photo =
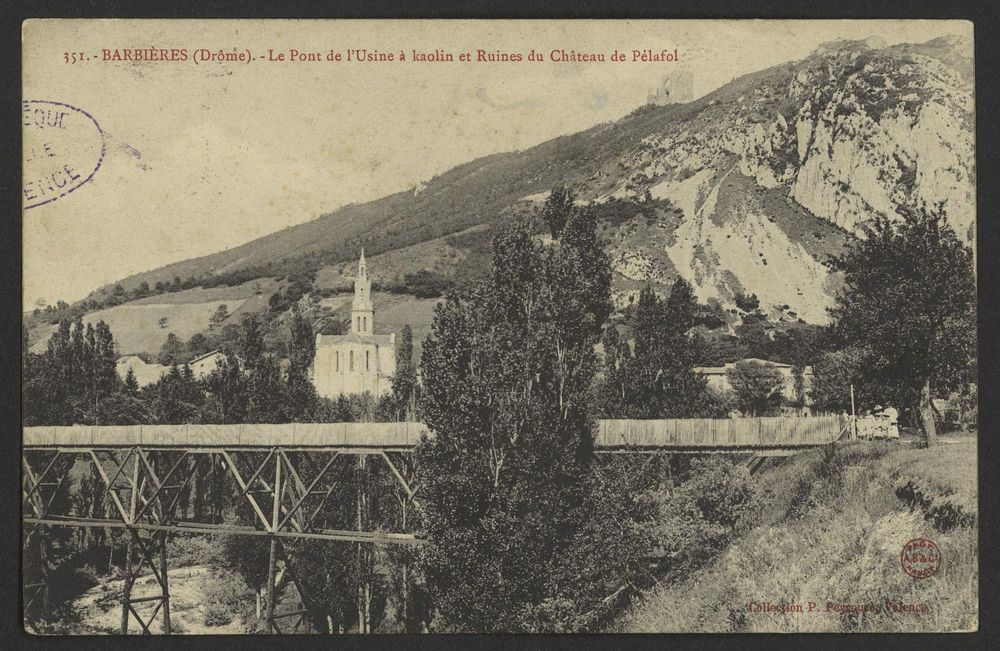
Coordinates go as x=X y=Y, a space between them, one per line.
x=854 y=418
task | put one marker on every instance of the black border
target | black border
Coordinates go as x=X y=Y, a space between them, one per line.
x=984 y=15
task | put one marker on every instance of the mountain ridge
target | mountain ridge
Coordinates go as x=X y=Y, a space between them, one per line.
x=746 y=189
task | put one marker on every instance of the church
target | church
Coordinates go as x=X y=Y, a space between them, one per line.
x=359 y=361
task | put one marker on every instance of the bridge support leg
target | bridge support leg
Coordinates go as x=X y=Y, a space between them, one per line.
x=36 y=592
x=164 y=583
x=41 y=486
x=364 y=552
x=405 y=496
x=141 y=551
x=144 y=551
x=756 y=464
x=127 y=582
x=272 y=564
x=272 y=560
x=130 y=534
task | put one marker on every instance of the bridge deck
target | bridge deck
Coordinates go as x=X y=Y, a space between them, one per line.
x=677 y=434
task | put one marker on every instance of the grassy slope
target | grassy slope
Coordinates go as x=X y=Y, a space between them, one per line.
x=444 y=255
x=135 y=324
x=833 y=530
x=205 y=295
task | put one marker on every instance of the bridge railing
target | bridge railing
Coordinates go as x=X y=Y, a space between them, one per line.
x=720 y=433
x=682 y=434
x=359 y=435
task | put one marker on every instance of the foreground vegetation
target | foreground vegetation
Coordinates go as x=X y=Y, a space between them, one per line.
x=832 y=529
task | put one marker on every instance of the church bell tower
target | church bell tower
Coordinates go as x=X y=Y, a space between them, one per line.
x=362 y=310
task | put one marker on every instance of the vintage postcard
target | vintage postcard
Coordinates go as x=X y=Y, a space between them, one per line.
x=445 y=326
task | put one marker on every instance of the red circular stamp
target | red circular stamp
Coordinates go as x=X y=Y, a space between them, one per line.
x=920 y=558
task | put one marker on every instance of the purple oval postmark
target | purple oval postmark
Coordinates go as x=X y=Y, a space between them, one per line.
x=63 y=149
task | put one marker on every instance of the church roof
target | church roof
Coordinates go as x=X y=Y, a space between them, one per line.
x=354 y=338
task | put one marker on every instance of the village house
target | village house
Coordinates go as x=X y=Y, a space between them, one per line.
x=145 y=374
x=360 y=361
x=718 y=377
x=204 y=365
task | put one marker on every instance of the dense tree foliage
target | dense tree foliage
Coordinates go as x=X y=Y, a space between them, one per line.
x=301 y=394
x=558 y=207
x=507 y=371
x=171 y=352
x=834 y=375
x=404 y=382
x=74 y=380
x=616 y=391
x=757 y=387
x=657 y=378
x=909 y=301
x=701 y=509
x=422 y=284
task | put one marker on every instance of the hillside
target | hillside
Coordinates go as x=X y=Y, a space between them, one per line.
x=832 y=530
x=748 y=189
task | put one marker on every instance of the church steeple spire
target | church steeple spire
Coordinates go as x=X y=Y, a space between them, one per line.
x=362 y=310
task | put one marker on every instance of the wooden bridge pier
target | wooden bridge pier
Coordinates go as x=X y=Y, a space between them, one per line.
x=284 y=488
x=284 y=475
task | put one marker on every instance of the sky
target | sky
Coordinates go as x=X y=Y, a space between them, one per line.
x=201 y=158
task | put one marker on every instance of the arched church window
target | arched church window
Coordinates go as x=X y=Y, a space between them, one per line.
x=336 y=361
x=351 y=360
x=367 y=365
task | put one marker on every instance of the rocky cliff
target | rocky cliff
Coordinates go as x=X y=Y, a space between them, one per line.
x=760 y=169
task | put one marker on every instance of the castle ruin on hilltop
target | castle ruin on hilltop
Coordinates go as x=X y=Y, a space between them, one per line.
x=677 y=88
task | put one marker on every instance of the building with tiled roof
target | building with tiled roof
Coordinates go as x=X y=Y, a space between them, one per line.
x=718 y=377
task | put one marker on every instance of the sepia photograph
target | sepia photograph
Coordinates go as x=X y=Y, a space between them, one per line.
x=498 y=326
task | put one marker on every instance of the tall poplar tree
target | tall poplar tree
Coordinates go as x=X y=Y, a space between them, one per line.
x=404 y=382
x=661 y=372
x=262 y=379
x=615 y=389
x=507 y=372
x=302 y=398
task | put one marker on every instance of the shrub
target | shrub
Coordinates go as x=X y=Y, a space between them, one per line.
x=746 y=303
x=698 y=517
x=225 y=589
x=86 y=576
x=217 y=614
x=189 y=550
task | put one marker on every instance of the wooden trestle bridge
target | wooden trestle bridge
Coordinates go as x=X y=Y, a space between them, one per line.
x=286 y=474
